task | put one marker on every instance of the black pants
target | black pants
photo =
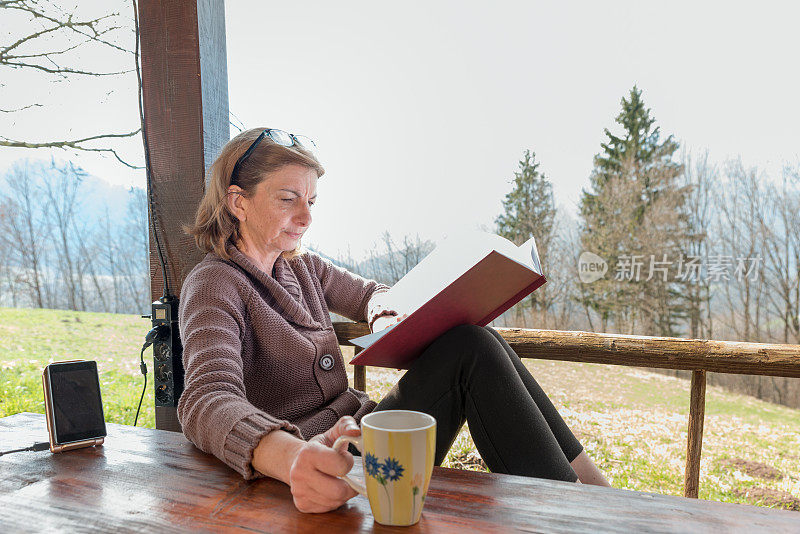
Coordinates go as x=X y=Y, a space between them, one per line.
x=470 y=373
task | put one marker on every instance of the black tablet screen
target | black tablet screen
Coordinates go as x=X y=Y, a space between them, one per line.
x=77 y=407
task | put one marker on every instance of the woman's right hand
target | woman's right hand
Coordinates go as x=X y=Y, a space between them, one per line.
x=385 y=321
x=313 y=476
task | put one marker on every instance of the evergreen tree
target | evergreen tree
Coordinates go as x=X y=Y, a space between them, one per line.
x=633 y=210
x=529 y=210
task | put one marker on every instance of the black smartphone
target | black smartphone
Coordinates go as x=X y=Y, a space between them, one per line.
x=73 y=406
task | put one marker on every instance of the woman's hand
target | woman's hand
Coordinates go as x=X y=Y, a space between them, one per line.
x=316 y=466
x=386 y=321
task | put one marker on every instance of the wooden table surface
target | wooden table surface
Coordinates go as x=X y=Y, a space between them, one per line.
x=142 y=479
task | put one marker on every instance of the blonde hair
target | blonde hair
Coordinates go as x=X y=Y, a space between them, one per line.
x=214 y=224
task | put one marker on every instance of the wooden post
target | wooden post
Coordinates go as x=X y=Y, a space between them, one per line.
x=359 y=374
x=697 y=407
x=185 y=95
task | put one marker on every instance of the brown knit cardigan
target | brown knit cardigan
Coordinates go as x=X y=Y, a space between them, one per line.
x=260 y=353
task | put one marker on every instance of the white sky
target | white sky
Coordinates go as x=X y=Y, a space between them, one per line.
x=422 y=109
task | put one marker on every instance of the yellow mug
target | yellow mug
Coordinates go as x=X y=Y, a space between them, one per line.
x=397 y=450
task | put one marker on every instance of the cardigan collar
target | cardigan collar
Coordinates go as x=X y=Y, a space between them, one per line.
x=284 y=288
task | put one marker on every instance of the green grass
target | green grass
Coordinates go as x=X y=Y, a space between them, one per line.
x=30 y=339
x=632 y=422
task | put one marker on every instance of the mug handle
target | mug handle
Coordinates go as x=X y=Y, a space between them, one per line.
x=360 y=488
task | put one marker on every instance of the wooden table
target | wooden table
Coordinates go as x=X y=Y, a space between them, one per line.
x=144 y=479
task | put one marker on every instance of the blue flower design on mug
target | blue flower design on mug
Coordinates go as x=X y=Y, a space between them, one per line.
x=384 y=472
x=387 y=471
x=372 y=464
x=392 y=470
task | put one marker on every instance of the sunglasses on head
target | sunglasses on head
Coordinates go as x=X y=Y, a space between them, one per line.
x=279 y=137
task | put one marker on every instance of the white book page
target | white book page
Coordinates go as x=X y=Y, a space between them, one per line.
x=451 y=258
x=525 y=254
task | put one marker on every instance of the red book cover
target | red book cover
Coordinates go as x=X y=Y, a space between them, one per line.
x=491 y=286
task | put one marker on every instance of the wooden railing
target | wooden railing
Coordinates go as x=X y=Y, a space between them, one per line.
x=698 y=356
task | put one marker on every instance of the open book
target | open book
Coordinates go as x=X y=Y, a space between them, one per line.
x=469 y=279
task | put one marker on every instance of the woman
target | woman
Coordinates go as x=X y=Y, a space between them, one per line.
x=265 y=383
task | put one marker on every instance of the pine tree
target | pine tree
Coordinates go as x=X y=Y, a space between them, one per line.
x=529 y=210
x=633 y=209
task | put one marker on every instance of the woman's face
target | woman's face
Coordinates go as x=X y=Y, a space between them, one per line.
x=276 y=216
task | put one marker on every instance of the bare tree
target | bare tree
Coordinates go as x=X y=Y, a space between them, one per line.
x=131 y=252
x=701 y=179
x=562 y=276
x=8 y=287
x=43 y=37
x=55 y=254
x=60 y=189
x=780 y=227
x=413 y=251
x=91 y=268
x=390 y=264
x=109 y=251
x=742 y=208
x=23 y=231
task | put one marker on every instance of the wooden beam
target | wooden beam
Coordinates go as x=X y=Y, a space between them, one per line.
x=697 y=409
x=185 y=94
x=639 y=351
x=359 y=374
x=184 y=83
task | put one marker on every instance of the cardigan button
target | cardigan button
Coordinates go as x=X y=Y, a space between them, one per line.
x=326 y=362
